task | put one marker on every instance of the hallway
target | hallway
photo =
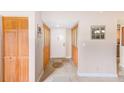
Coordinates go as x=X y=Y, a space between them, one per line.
x=68 y=73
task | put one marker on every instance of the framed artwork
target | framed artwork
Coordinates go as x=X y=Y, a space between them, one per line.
x=98 y=31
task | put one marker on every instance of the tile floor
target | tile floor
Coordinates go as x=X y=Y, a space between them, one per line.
x=68 y=73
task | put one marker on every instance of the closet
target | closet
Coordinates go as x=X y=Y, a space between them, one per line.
x=16 y=49
x=74 y=44
x=46 y=45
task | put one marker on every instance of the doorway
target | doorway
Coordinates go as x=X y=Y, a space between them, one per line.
x=61 y=41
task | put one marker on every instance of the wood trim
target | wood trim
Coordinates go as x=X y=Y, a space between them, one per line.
x=46 y=45
x=122 y=41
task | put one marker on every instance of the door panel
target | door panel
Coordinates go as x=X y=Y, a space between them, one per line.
x=23 y=69
x=10 y=69
x=23 y=49
x=10 y=43
x=10 y=52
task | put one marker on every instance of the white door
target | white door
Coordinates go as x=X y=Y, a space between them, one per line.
x=58 y=43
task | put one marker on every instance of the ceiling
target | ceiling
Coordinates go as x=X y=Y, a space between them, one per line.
x=59 y=19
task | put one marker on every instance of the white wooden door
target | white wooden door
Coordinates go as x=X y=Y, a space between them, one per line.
x=58 y=43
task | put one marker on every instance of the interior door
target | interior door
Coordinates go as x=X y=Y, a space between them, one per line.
x=58 y=43
x=46 y=45
x=74 y=45
x=15 y=30
x=10 y=49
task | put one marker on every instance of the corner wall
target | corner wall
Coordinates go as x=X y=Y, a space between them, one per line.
x=39 y=42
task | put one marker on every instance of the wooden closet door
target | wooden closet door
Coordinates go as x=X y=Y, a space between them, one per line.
x=46 y=45
x=15 y=49
x=74 y=45
x=23 y=53
x=10 y=49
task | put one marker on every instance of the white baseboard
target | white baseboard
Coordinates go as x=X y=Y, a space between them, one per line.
x=97 y=75
x=40 y=76
x=68 y=57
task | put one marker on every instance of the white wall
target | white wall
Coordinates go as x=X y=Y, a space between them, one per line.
x=1 y=57
x=31 y=16
x=38 y=48
x=97 y=57
x=68 y=44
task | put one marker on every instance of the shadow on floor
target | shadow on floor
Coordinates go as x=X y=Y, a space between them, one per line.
x=50 y=69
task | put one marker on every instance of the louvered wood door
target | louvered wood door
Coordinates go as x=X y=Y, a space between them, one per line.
x=15 y=49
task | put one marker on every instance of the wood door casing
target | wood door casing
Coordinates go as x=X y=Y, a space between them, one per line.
x=46 y=45
x=122 y=41
x=74 y=44
x=15 y=30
